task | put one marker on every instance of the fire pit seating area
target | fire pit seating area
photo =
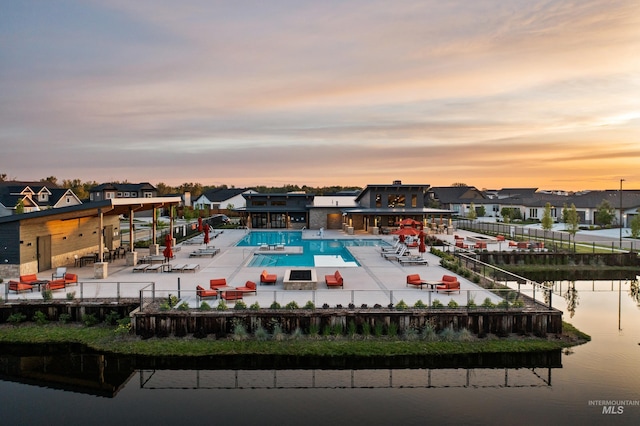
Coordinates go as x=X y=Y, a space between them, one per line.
x=449 y=284
x=18 y=287
x=334 y=280
x=266 y=278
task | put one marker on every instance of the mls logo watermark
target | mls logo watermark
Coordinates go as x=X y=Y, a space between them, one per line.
x=614 y=407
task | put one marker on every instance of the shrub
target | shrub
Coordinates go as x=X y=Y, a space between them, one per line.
x=519 y=303
x=297 y=334
x=71 y=295
x=436 y=304
x=278 y=334
x=254 y=306
x=411 y=333
x=16 y=318
x=392 y=329
x=124 y=326
x=336 y=330
x=239 y=331
x=313 y=330
x=503 y=304
x=47 y=294
x=471 y=303
x=419 y=304
x=204 y=306
x=222 y=306
x=292 y=305
x=366 y=329
x=184 y=306
x=452 y=304
x=326 y=331
x=309 y=305
x=377 y=330
x=164 y=306
x=64 y=318
x=447 y=335
x=429 y=332
x=39 y=318
x=261 y=334
x=401 y=305
x=488 y=303
x=476 y=279
x=351 y=328
x=111 y=318
x=275 y=305
x=173 y=300
x=89 y=320
x=240 y=305
x=465 y=335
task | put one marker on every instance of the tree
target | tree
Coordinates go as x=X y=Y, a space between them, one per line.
x=605 y=214
x=482 y=212
x=20 y=207
x=472 y=212
x=572 y=220
x=50 y=179
x=565 y=213
x=507 y=214
x=547 y=220
x=635 y=225
x=459 y=184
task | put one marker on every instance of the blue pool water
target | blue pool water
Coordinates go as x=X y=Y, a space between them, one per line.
x=316 y=252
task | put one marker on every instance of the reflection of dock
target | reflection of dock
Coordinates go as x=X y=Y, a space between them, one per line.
x=338 y=379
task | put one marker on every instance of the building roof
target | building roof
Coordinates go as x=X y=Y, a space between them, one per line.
x=222 y=194
x=123 y=187
x=456 y=194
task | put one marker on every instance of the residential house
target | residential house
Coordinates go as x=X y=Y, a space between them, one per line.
x=218 y=199
x=34 y=196
x=110 y=191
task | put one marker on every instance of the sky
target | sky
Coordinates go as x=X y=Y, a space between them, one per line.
x=491 y=93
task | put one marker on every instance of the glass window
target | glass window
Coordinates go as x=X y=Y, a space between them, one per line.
x=378 y=200
x=258 y=203
x=414 y=200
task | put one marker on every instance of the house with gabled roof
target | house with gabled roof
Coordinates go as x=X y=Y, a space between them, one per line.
x=222 y=199
x=34 y=196
x=110 y=191
x=455 y=198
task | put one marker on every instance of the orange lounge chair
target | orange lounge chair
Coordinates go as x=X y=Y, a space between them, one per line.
x=203 y=293
x=231 y=294
x=18 y=287
x=249 y=287
x=334 y=280
x=266 y=278
x=216 y=283
x=414 y=279
x=449 y=284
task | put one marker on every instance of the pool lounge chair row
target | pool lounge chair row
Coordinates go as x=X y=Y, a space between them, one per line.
x=166 y=267
x=209 y=251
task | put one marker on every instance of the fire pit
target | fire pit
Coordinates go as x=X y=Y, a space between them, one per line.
x=300 y=279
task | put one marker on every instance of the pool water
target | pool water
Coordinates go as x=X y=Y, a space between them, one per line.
x=315 y=253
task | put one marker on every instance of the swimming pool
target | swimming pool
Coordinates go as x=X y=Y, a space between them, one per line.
x=315 y=253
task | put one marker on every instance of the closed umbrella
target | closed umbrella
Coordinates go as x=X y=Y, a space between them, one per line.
x=206 y=234
x=168 y=251
x=199 y=224
x=421 y=247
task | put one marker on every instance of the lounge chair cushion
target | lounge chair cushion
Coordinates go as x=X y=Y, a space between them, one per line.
x=249 y=287
x=266 y=278
x=217 y=282
x=334 y=280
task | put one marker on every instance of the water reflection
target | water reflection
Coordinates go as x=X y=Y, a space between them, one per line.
x=572 y=298
x=72 y=368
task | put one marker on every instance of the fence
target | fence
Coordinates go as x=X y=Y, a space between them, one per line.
x=561 y=239
x=85 y=290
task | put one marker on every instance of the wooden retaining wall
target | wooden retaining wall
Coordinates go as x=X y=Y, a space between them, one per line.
x=77 y=310
x=549 y=258
x=221 y=323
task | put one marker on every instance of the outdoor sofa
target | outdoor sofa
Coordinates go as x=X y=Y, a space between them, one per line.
x=449 y=284
x=18 y=286
x=334 y=280
x=266 y=278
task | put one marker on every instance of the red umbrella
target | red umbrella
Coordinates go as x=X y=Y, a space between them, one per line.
x=409 y=222
x=421 y=247
x=406 y=232
x=206 y=234
x=168 y=252
x=199 y=224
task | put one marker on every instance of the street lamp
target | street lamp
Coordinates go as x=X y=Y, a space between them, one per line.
x=621 y=180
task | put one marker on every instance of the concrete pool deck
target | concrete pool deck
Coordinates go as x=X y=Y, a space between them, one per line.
x=376 y=281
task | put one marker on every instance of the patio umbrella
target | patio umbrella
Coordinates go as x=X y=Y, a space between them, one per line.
x=409 y=222
x=406 y=232
x=199 y=224
x=421 y=247
x=206 y=234
x=168 y=251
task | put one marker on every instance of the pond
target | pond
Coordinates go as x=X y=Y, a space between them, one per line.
x=569 y=387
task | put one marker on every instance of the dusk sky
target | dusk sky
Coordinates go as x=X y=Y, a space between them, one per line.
x=492 y=93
